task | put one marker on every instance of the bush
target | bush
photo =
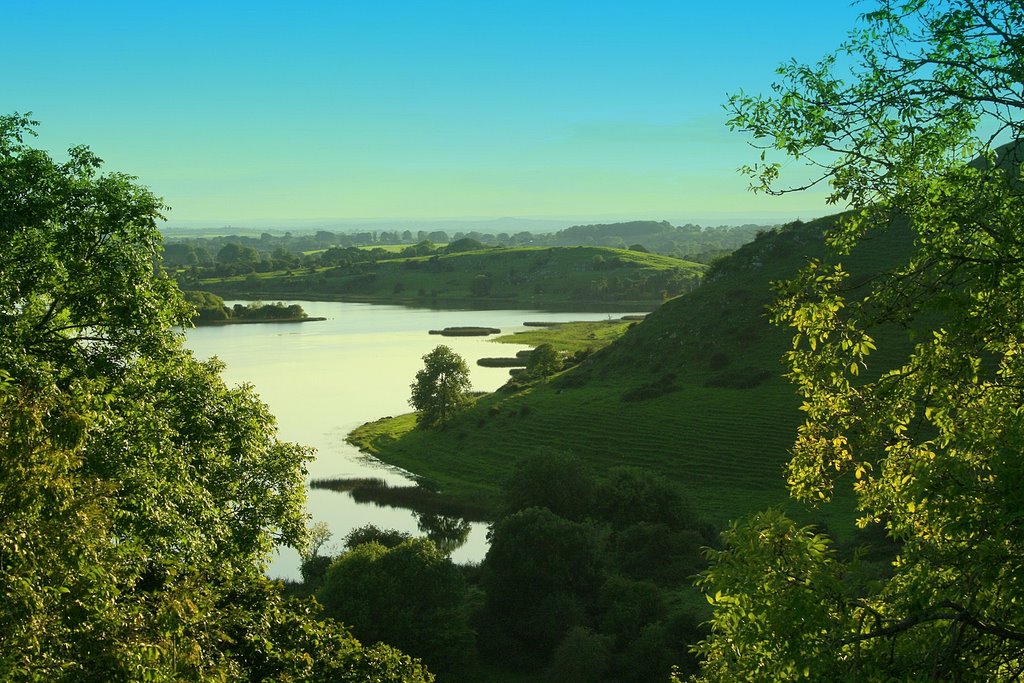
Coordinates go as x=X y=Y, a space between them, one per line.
x=718 y=361
x=744 y=378
x=665 y=384
x=581 y=657
x=369 y=533
x=313 y=570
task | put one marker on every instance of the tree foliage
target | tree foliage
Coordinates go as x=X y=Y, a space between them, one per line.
x=553 y=480
x=139 y=495
x=543 y=361
x=441 y=387
x=931 y=442
x=411 y=595
x=541 y=576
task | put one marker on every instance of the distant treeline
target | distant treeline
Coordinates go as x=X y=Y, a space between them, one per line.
x=238 y=255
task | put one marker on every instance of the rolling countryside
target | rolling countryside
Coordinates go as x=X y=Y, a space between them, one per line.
x=695 y=392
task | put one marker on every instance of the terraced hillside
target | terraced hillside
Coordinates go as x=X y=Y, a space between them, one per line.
x=693 y=392
x=510 y=277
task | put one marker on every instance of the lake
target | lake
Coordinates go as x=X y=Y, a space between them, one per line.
x=322 y=379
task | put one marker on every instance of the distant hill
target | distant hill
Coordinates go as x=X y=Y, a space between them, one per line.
x=688 y=241
x=177 y=228
x=510 y=277
x=694 y=392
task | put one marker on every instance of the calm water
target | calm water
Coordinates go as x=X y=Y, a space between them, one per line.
x=323 y=379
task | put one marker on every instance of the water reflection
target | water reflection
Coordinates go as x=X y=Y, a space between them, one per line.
x=448 y=533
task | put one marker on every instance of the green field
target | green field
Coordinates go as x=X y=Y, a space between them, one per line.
x=495 y=277
x=695 y=392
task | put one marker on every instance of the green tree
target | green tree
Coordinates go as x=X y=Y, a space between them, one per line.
x=139 y=495
x=542 y=574
x=232 y=252
x=581 y=657
x=441 y=387
x=932 y=441
x=465 y=244
x=411 y=595
x=553 y=480
x=209 y=307
x=369 y=533
x=543 y=361
x=630 y=496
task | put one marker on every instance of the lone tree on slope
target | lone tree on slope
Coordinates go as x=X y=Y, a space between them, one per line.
x=441 y=387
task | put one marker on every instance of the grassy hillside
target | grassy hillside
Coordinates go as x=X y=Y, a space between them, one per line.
x=527 y=276
x=694 y=392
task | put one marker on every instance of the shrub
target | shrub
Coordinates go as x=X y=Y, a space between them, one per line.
x=313 y=570
x=665 y=384
x=718 y=361
x=744 y=378
x=369 y=533
x=582 y=656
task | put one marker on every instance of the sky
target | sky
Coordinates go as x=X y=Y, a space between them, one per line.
x=256 y=112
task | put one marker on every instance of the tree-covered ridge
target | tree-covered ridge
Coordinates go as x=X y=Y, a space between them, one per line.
x=521 y=277
x=140 y=495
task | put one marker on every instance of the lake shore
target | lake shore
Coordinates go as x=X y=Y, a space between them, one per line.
x=440 y=302
x=243 y=321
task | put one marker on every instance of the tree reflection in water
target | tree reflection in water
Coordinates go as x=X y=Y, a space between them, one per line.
x=447 y=533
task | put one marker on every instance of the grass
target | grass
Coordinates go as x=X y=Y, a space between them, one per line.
x=476 y=452
x=720 y=425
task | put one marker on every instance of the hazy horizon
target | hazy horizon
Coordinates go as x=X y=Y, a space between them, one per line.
x=479 y=223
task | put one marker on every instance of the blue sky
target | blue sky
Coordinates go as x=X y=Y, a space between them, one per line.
x=253 y=112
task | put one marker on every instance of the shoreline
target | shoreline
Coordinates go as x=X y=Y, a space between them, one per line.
x=444 y=303
x=223 y=323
